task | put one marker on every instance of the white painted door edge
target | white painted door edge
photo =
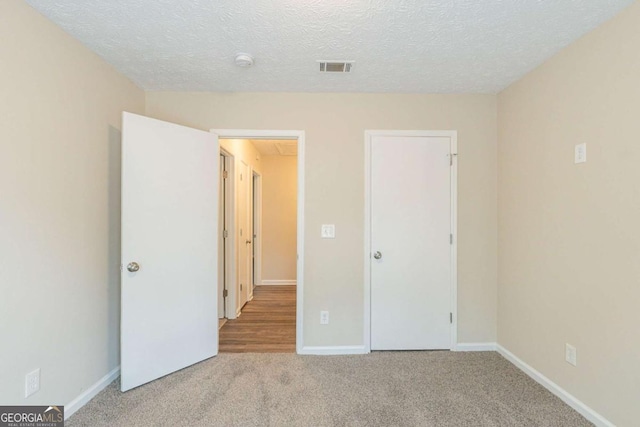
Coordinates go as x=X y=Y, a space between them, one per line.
x=298 y=135
x=453 y=136
x=554 y=388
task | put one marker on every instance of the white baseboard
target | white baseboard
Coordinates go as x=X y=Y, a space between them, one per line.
x=278 y=282
x=475 y=346
x=90 y=393
x=333 y=350
x=554 y=388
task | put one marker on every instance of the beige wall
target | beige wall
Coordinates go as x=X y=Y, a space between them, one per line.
x=569 y=235
x=279 y=217
x=243 y=151
x=59 y=208
x=334 y=189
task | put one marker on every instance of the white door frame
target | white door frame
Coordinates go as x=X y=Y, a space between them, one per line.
x=298 y=135
x=453 y=137
x=230 y=242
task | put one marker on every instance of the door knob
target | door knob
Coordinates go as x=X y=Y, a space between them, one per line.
x=133 y=267
x=248 y=241
x=377 y=255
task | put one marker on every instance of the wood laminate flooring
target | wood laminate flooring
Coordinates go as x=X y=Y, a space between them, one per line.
x=267 y=323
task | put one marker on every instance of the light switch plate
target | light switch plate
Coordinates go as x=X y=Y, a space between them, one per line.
x=580 y=153
x=324 y=317
x=328 y=231
x=570 y=354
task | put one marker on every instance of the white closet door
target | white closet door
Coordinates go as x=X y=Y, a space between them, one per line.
x=410 y=241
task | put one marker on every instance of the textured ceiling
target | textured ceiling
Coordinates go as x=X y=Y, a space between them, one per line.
x=276 y=147
x=417 y=46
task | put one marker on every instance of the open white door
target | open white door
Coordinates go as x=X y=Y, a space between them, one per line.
x=170 y=232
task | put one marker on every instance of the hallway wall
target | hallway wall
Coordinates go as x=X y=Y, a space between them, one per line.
x=279 y=218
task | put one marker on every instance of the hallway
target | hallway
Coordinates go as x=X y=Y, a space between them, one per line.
x=267 y=323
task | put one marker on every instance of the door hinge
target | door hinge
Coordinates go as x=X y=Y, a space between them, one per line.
x=240 y=177
x=240 y=286
x=225 y=234
x=451 y=318
x=225 y=293
x=225 y=174
x=451 y=239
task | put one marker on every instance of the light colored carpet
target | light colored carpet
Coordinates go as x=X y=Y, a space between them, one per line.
x=380 y=389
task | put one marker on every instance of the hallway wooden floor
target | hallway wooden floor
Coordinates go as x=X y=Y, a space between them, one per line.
x=267 y=323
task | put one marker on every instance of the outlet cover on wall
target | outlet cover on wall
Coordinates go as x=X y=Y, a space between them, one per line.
x=570 y=354
x=324 y=317
x=328 y=231
x=580 y=153
x=32 y=382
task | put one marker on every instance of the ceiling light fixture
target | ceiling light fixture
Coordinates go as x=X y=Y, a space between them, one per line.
x=244 y=60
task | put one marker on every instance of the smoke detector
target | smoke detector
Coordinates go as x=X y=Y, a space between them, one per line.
x=244 y=60
x=327 y=66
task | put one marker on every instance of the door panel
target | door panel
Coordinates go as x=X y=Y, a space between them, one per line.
x=169 y=227
x=410 y=226
x=244 y=234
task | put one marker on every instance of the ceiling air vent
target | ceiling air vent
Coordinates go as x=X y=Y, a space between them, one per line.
x=335 y=66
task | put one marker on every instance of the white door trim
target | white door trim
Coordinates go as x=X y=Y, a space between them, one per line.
x=453 y=136
x=298 y=135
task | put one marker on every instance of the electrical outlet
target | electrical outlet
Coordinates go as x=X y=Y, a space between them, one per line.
x=570 y=354
x=328 y=231
x=580 y=153
x=324 y=317
x=32 y=383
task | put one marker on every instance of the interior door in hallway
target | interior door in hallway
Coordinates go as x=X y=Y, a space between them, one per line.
x=244 y=234
x=410 y=243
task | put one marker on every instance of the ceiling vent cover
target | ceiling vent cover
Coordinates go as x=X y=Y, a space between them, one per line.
x=335 y=66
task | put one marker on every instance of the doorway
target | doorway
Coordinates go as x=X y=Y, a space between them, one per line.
x=225 y=213
x=410 y=240
x=266 y=291
x=171 y=181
